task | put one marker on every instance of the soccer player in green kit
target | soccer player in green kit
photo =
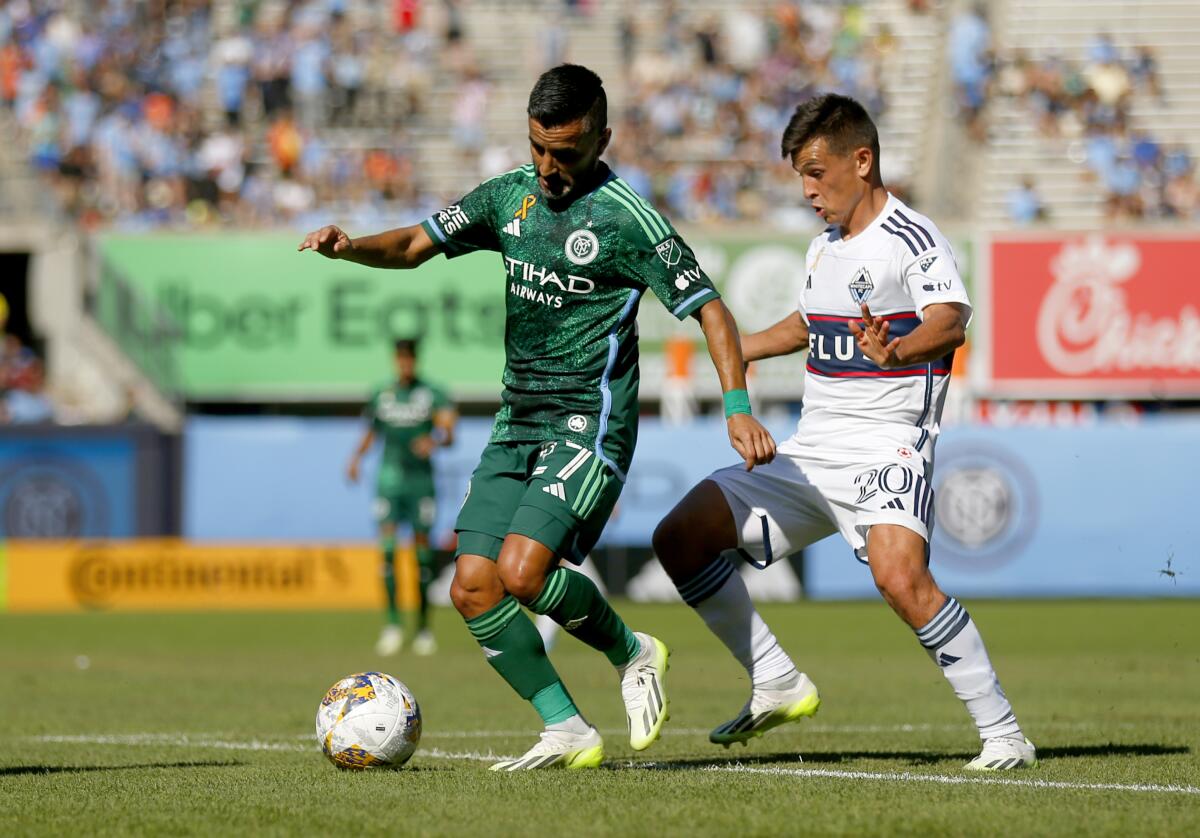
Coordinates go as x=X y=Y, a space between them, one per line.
x=578 y=249
x=414 y=418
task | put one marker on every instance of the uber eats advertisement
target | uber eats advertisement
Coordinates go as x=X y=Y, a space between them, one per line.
x=254 y=319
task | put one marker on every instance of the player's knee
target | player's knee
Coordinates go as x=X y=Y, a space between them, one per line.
x=667 y=537
x=475 y=589
x=896 y=580
x=520 y=581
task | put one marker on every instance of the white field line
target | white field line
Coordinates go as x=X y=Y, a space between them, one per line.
x=194 y=741
x=951 y=780
x=204 y=741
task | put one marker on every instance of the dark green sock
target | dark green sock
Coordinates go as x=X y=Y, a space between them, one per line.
x=514 y=649
x=575 y=603
x=389 y=579
x=424 y=580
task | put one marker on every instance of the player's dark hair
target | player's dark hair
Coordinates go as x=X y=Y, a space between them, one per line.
x=406 y=346
x=566 y=93
x=841 y=121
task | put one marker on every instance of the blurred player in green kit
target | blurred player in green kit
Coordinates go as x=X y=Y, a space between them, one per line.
x=414 y=418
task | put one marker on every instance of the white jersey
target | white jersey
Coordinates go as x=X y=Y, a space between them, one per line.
x=898 y=265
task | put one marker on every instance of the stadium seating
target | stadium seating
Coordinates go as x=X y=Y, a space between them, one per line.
x=1057 y=163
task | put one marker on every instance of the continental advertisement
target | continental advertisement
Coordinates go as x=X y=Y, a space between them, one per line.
x=252 y=319
x=176 y=575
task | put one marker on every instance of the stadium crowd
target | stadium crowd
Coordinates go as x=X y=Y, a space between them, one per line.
x=146 y=113
x=708 y=97
x=1085 y=106
x=155 y=112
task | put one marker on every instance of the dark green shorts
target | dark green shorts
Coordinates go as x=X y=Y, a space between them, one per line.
x=417 y=510
x=560 y=494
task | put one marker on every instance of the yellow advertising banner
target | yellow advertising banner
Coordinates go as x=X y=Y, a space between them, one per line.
x=171 y=574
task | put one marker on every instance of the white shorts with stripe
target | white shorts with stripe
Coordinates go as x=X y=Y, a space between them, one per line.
x=800 y=498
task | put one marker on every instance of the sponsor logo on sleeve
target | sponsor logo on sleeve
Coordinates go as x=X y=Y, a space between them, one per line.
x=682 y=280
x=582 y=247
x=452 y=219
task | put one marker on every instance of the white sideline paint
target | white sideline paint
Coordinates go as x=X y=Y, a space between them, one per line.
x=207 y=741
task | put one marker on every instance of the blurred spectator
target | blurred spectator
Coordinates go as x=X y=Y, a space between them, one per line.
x=969 y=44
x=1024 y=204
x=26 y=403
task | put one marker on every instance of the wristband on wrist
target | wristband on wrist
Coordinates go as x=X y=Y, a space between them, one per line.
x=736 y=401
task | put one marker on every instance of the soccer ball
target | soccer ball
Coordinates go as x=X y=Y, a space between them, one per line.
x=368 y=720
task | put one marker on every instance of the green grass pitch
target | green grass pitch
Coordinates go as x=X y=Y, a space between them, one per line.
x=202 y=724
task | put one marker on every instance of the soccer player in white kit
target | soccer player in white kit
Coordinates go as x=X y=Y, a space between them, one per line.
x=882 y=311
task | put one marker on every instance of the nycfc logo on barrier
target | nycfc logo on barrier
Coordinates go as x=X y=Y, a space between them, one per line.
x=986 y=506
x=52 y=499
x=582 y=247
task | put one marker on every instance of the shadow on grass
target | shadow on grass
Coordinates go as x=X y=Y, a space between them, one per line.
x=818 y=758
x=17 y=770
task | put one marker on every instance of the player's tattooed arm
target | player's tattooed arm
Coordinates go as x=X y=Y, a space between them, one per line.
x=943 y=328
x=404 y=247
x=785 y=337
x=750 y=439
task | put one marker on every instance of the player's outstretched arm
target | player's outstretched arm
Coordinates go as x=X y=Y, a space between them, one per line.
x=785 y=337
x=404 y=247
x=364 y=445
x=943 y=328
x=750 y=439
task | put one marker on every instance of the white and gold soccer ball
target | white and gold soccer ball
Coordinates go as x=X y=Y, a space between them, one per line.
x=368 y=720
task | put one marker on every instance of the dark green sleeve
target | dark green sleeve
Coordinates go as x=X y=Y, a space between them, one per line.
x=670 y=269
x=440 y=399
x=369 y=413
x=466 y=226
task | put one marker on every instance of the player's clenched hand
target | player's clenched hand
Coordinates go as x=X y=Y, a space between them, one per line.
x=872 y=337
x=328 y=241
x=751 y=440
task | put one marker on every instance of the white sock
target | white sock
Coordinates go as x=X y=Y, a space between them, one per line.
x=548 y=629
x=577 y=724
x=720 y=598
x=955 y=645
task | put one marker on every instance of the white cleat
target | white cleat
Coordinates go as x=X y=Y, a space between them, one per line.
x=424 y=643
x=767 y=709
x=559 y=749
x=1004 y=753
x=644 y=691
x=390 y=640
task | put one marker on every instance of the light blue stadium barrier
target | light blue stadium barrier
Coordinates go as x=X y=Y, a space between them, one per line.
x=1099 y=511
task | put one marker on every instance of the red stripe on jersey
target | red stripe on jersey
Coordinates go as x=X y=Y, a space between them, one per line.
x=880 y=374
x=833 y=318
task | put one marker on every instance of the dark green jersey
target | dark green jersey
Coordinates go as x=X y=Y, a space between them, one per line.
x=400 y=415
x=574 y=278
